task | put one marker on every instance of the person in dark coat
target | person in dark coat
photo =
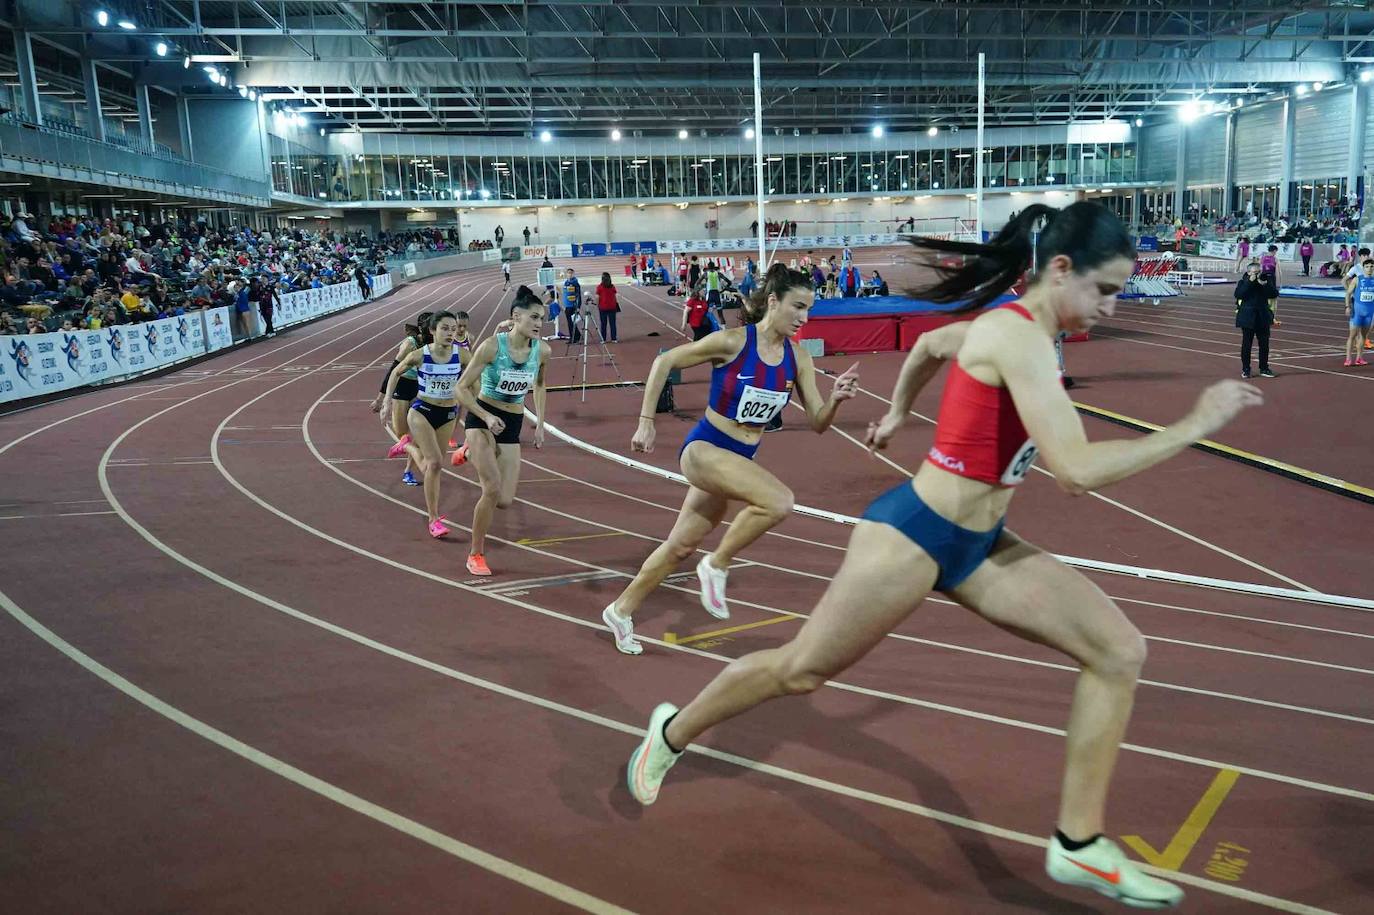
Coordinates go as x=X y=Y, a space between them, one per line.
x=1254 y=316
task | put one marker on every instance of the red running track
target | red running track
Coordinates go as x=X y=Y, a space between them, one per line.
x=239 y=675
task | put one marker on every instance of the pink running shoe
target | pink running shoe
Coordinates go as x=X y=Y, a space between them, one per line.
x=1361 y=362
x=399 y=448
x=1349 y=362
x=460 y=457
x=437 y=529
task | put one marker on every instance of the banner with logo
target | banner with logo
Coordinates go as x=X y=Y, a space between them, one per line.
x=694 y=245
x=546 y=251
x=1230 y=250
x=489 y=256
x=219 y=331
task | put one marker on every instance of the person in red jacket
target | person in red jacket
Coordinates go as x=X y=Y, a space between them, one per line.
x=608 y=305
x=695 y=314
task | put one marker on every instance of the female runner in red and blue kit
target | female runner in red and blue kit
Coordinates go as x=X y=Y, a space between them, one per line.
x=943 y=530
x=756 y=369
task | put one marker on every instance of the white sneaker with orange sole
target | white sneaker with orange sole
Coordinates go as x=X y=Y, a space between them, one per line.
x=1104 y=867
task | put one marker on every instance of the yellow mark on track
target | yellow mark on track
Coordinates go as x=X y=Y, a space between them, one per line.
x=674 y=639
x=1176 y=852
x=530 y=541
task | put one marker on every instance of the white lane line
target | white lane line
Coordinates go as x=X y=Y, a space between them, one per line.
x=1103 y=331
x=327 y=790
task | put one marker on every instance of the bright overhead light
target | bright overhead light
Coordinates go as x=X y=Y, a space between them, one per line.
x=186 y=62
x=545 y=136
x=1316 y=87
x=615 y=134
x=210 y=68
x=1301 y=89
x=102 y=18
x=749 y=133
x=1140 y=122
x=126 y=24
x=1366 y=75
x=161 y=48
x=321 y=131
x=877 y=130
x=1190 y=111
x=243 y=92
x=932 y=131
x=252 y=95
x=682 y=134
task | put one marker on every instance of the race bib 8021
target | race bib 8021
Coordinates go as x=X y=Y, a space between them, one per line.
x=759 y=405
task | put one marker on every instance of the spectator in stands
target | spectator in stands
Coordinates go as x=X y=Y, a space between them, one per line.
x=527 y=236
x=607 y=305
x=12 y=294
x=8 y=326
x=132 y=302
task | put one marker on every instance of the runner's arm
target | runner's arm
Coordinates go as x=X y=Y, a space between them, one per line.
x=1027 y=366
x=720 y=346
x=468 y=383
x=821 y=413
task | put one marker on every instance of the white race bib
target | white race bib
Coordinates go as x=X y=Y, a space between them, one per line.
x=1367 y=295
x=514 y=382
x=441 y=387
x=1020 y=464
x=759 y=405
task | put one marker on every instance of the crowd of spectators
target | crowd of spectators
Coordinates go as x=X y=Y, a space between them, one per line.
x=89 y=273
x=1330 y=225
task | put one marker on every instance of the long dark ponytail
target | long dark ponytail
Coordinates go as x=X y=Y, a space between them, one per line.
x=417 y=330
x=1087 y=233
x=779 y=280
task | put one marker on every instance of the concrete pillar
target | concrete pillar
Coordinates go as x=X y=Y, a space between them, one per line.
x=95 y=124
x=28 y=79
x=184 y=127
x=1228 y=172
x=1286 y=169
x=1359 y=113
x=1181 y=171
x=145 y=113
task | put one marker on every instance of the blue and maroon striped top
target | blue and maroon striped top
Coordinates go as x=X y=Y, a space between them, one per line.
x=749 y=390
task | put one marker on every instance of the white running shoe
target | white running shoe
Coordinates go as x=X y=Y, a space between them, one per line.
x=652 y=760
x=1102 y=866
x=713 y=588
x=623 y=629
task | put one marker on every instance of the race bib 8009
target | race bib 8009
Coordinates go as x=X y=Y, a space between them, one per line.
x=515 y=382
x=759 y=405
